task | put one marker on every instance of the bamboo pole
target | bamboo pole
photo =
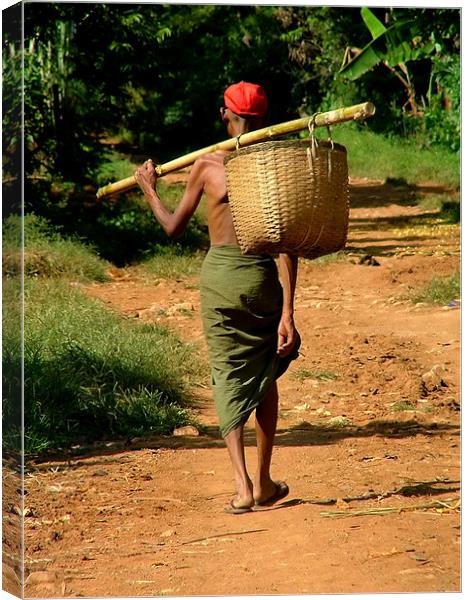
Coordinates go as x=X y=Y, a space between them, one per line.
x=332 y=117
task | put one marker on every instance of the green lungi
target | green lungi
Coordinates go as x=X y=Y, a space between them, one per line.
x=241 y=307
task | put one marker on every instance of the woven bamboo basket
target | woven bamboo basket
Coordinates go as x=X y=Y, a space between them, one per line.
x=289 y=196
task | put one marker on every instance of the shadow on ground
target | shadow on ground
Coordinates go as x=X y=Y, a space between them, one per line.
x=305 y=434
x=397 y=222
x=383 y=194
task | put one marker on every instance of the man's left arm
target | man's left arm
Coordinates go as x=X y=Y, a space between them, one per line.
x=287 y=334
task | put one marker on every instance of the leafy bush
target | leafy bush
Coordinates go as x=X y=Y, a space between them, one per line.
x=442 y=123
x=114 y=166
x=121 y=229
x=125 y=230
x=89 y=374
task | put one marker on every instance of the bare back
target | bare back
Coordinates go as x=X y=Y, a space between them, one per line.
x=221 y=229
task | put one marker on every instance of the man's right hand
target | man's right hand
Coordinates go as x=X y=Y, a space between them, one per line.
x=146 y=177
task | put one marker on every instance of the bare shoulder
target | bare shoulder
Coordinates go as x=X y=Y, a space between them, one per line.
x=211 y=159
x=209 y=169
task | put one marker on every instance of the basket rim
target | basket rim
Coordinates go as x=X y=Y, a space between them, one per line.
x=271 y=144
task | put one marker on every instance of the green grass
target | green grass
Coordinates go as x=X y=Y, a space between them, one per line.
x=402 y=406
x=327 y=259
x=370 y=155
x=379 y=157
x=407 y=405
x=46 y=253
x=439 y=291
x=338 y=422
x=432 y=202
x=90 y=374
x=448 y=209
x=302 y=374
x=170 y=194
x=11 y=366
x=173 y=262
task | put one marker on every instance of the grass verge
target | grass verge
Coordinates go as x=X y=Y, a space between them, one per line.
x=449 y=209
x=439 y=291
x=380 y=157
x=89 y=374
x=173 y=262
x=46 y=253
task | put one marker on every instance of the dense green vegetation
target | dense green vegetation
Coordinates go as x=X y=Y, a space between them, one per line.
x=150 y=77
x=106 y=86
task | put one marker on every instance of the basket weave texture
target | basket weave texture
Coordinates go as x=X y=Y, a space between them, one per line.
x=289 y=196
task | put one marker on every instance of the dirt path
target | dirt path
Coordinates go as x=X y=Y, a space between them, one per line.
x=356 y=419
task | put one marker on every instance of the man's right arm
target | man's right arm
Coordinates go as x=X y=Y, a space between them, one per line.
x=173 y=223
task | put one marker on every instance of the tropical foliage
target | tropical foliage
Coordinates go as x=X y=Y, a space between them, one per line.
x=147 y=79
x=107 y=85
x=408 y=39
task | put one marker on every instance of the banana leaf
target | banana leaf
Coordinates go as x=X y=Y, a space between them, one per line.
x=397 y=44
x=374 y=25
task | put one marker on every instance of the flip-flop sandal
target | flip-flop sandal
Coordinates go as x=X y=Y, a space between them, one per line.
x=282 y=490
x=231 y=509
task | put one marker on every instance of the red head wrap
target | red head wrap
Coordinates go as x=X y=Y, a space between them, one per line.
x=246 y=99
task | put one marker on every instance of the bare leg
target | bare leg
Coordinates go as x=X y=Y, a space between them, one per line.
x=236 y=447
x=266 y=423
